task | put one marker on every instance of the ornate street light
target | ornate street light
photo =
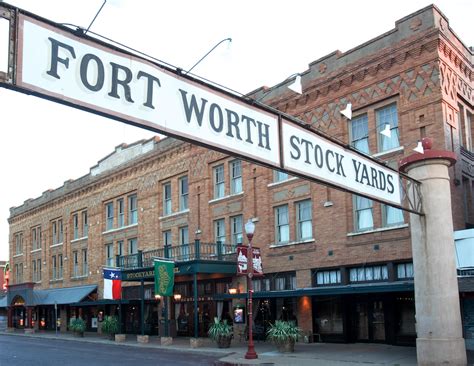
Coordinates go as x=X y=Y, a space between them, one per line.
x=249 y=230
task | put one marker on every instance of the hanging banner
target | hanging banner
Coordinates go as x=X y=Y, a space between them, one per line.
x=242 y=261
x=164 y=277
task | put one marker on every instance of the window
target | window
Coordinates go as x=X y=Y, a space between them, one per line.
x=279 y=176
x=167 y=243
x=60 y=231
x=235 y=177
x=36 y=238
x=369 y=273
x=404 y=270
x=120 y=213
x=109 y=216
x=167 y=208
x=360 y=133
x=363 y=213
x=60 y=266
x=109 y=254
x=304 y=224
x=38 y=268
x=219 y=188
x=184 y=242
x=120 y=251
x=35 y=271
x=57 y=231
x=236 y=229
x=285 y=281
x=18 y=243
x=328 y=277
x=75 y=264
x=85 y=266
x=392 y=216
x=19 y=273
x=132 y=209
x=132 y=246
x=183 y=193
x=387 y=116
x=54 y=268
x=219 y=230
x=85 y=224
x=282 y=227
x=75 y=223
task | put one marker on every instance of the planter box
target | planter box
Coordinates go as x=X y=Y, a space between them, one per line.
x=196 y=342
x=120 y=338
x=166 y=341
x=142 y=339
x=29 y=330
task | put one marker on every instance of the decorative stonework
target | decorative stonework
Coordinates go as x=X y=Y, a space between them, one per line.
x=415 y=24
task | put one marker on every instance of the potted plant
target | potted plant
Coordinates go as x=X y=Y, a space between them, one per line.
x=111 y=326
x=284 y=334
x=221 y=332
x=77 y=326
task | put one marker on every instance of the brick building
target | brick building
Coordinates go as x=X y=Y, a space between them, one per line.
x=339 y=264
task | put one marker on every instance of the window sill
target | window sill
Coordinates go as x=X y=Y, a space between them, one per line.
x=279 y=245
x=56 y=245
x=226 y=197
x=36 y=250
x=386 y=152
x=56 y=280
x=79 y=278
x=281 y=182
x=179 y=213
x=79 y=239
x=18 y=255
x=388 y=228
x=119 y=229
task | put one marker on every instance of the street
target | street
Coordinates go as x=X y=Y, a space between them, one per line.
x=26 y=351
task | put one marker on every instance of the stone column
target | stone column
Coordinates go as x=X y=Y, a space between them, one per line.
x=438 y=318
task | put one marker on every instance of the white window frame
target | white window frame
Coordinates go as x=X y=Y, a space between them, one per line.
x=302 y=221
x=236 y=176
x=236 y=229
x=120 y=212
x=167 y=199
x=109 y=216
x=132 y=209
x=359 y=212
x=357 y=142
x=183 y=193
x=279 y=239
x=387 y=114
x=219 y=181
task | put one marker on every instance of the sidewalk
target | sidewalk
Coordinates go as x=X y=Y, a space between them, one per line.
x=329 y=354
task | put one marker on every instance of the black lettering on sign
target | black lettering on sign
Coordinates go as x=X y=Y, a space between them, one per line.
x=55 y=59
x=99 y=83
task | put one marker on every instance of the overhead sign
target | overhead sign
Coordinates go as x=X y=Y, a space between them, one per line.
x=57 y=63
x=70 y=68
x=309 y=154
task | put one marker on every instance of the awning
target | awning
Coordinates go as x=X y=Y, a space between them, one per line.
x=62 y=296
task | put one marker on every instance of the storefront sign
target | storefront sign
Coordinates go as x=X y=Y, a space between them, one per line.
x=242 y=261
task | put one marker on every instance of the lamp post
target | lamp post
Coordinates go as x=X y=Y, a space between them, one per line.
x=158 y=299
x=249 y=230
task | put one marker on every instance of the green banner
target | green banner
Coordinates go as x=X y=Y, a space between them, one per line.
x=164 y=277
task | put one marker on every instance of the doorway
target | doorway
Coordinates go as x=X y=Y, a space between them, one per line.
x=369 y=320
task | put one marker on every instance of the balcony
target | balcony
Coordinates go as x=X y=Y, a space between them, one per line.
x=181 y=254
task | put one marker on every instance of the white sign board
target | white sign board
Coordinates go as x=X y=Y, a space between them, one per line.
x=306 y=153
x=67 y=67
x=73 y=69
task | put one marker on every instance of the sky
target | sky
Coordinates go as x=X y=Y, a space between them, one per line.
x=43 y=144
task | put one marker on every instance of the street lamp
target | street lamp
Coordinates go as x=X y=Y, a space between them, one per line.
x=158 y=299
x=249 y=230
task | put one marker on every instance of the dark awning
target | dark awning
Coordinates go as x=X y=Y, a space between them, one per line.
x=61 y=296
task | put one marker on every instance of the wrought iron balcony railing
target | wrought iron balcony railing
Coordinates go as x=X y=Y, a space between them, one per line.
x=180 y=253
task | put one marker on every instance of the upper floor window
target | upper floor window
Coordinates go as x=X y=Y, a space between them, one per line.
x=368 y=273
x=19 y=273
x=36 y=238
x=85 y=265
x=60 y=266
x=167 y=240
x=54 y=268
x=328 y=277
x=405 y=270
x=109 y=216
x=236 y=176
x=120 y=212
x=75 y=223
x=18 y=243
x=120 y=250
x=236 y=229
x=183 y=193
x=282 y=226
x=85 y=224
x=279 y=176
x=363 y=216
x=219 y=230
x=304 y=220
x=57 y=231
x=219 y=184
x=167 y=207
x=360 y=133
x=392 y=216
x=132 y=209
x=75 y=264
x=464 y=117
x=284 y=281
x=109 y=254
x=387 y=116
x=184 y=242
x=132 y=246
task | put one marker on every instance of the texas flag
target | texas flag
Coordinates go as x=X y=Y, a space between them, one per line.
x=112 y=284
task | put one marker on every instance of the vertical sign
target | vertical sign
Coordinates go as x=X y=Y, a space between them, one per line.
x=242 y=261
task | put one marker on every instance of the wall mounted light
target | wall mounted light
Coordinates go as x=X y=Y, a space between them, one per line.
x=177 y=297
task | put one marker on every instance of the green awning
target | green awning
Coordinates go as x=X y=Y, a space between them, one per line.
x=61 y=296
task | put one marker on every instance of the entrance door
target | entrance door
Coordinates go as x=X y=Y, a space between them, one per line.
x=369 y=321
